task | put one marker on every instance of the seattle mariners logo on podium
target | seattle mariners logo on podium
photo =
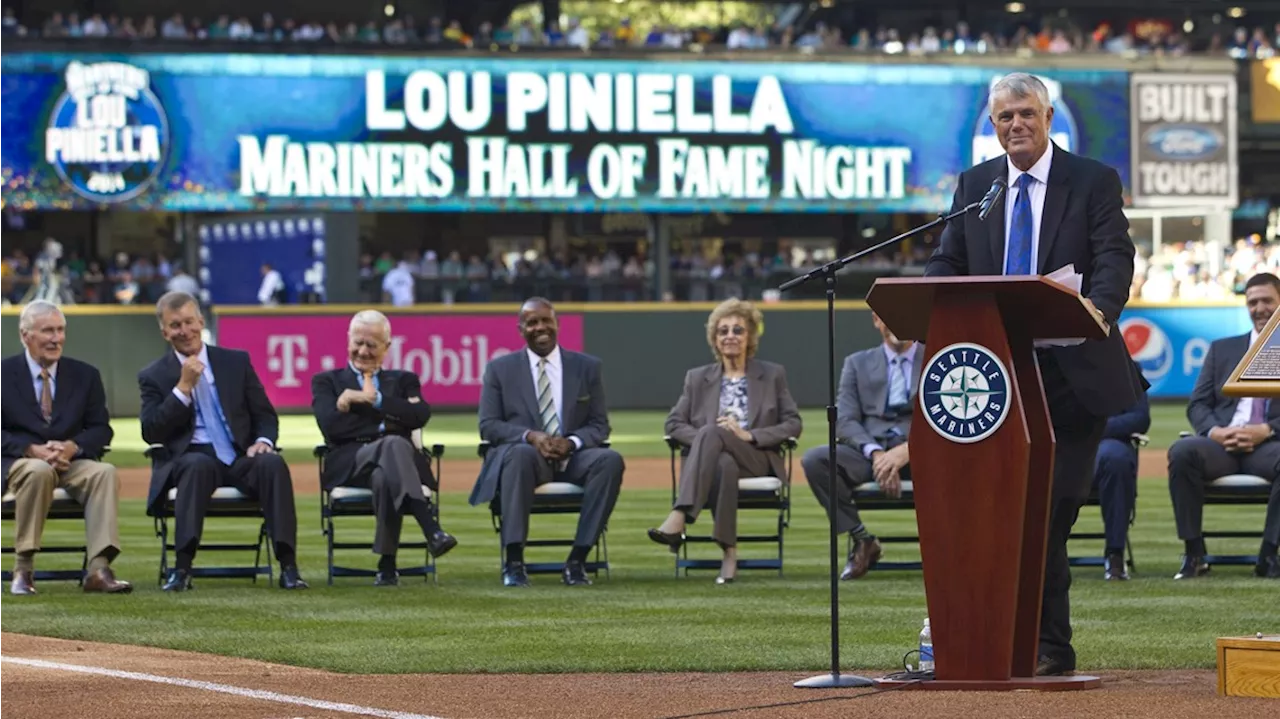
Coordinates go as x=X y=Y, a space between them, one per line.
x=108 y=134
x=964 y=392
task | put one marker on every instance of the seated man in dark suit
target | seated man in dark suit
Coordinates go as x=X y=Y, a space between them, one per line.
x=368 y=415
x=543 y=410
x=1115 y=478
x=208 y=408
x=1232 y=436
x=56 y=427
x=878 y=389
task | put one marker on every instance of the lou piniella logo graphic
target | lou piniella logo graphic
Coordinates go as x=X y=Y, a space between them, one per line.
x=108 y=135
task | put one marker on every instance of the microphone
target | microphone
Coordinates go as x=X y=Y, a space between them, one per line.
x=991 y=198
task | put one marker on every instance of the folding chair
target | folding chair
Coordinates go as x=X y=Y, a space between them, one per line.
x=550 y=498
x=767 y=493
x=358 y=502
x=869 y=498
x=226 y=502
x=1138 y=441
x=1234 y=489
x=63 y=507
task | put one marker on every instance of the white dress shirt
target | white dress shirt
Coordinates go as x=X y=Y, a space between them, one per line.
x=555 y=375
x=199 y=435
x=1038 y=190
x=1244 y=408
x=36 y=382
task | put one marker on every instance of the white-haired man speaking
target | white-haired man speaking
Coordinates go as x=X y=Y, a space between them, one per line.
x=368 y=415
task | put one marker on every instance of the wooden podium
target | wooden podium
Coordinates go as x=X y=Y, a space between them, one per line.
x=982 y=465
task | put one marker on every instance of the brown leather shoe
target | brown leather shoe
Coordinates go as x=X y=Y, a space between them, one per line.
x=865 y=554
x=22 y=583
x=105 y=581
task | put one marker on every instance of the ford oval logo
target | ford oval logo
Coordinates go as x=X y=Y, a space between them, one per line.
x=1183 y=142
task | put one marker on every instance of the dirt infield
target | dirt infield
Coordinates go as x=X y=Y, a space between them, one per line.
x=134 y=682
x=459 y=474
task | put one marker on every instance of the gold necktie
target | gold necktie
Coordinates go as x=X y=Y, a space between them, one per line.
x=46 y=395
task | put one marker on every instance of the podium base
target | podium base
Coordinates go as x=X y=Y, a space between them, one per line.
x=833 y=681
x=1038 y=684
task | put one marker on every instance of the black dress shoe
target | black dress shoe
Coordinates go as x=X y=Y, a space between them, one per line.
x=1192 y=566
x=440 y=543
x=1268 y=567
x=575 y=574
x=289 y=578
x=671 y=540
x=179 y=580
x=1053 y=667
x=864 y=555
x=1115 y=568
x=514 y=575
x=386 y=578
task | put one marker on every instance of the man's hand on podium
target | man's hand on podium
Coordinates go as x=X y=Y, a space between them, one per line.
x=1097 y=313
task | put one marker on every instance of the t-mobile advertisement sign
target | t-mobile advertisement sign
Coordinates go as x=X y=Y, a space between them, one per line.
x=448 y=352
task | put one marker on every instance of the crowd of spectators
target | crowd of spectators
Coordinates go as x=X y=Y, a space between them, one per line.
x=1052 y=34
x=124 y=279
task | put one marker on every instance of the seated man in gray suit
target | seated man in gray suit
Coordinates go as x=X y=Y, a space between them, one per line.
x=873 y=418
x=543 y=410
x=1233 y=436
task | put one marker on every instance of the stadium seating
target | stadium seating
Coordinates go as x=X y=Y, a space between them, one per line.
x=550 y=498
x=768 y=493
x=358 y=502
x=227 y=502
x=63 y=507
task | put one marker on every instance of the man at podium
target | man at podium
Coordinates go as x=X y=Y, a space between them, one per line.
x=1060 y=209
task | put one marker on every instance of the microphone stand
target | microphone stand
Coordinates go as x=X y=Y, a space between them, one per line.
x=828 y=271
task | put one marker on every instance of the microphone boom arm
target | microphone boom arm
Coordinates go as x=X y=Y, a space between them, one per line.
x=836 y=265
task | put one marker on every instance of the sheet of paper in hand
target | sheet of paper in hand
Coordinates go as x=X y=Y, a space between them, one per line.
x=1072 y=280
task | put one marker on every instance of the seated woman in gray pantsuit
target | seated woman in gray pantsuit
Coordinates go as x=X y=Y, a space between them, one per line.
x=733 y=415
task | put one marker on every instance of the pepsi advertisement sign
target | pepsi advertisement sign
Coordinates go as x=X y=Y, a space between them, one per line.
x=1169 y=343
x=270 y=133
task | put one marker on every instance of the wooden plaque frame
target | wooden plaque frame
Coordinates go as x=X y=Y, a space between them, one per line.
x=1238 y=385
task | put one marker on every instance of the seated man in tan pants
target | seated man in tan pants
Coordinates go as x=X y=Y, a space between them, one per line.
x=56 y=427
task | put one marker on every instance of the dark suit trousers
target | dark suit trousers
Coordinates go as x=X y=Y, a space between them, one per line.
x=717 y=460
x=598 y=470
x=385 y=466
x=855 y=469
x=1196 y=461
x=1116 y=477
x=197 y=473
x=1077 y=434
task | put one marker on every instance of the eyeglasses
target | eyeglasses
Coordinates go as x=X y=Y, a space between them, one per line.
x=736 y=330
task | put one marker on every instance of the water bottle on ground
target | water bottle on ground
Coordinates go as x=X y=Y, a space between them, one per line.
x=926 y=648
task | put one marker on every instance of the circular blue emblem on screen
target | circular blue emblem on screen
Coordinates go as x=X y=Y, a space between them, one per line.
x=964 y=392
x=108 y=135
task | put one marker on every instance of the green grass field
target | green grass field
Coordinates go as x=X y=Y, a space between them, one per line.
x=636 y=434
x=641 y=618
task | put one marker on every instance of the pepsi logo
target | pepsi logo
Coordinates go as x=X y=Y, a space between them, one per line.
x=1183 y=142
x=1149 y=346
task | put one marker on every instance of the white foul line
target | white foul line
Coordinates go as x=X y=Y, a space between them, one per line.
x=223 y=688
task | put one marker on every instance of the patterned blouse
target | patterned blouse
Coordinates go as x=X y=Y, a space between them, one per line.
x=733 y=399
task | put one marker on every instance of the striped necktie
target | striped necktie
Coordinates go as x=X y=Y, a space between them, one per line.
x=46 y=395
x=546 y=404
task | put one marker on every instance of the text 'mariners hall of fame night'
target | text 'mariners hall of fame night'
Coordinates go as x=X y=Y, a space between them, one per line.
x=964 y=392
x=108 y=135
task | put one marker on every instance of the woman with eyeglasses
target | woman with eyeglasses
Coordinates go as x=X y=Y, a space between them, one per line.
x=732 y=416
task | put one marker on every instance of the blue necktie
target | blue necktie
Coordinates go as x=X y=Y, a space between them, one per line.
x=1020 y=230
x=210 y=411
x=898 y=384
